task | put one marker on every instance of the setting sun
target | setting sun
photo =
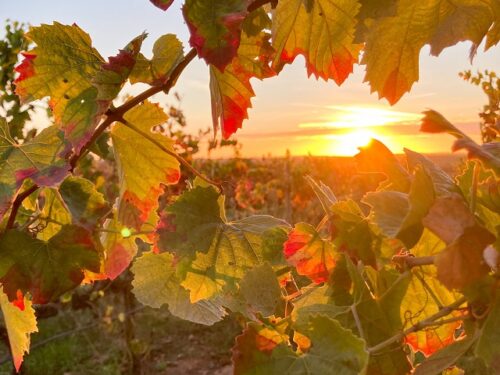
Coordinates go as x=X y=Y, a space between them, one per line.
x=361 y=117
x=347 y=144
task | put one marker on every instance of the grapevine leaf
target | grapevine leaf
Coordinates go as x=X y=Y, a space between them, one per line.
x=449 y=217
x=58 y=266
x=333 y=350
x=213 y=252
x=215 y=28
x=162 y=4
x=418 y=299
x=370 y=11
x=434 y=122
x=444 y=358
x=487 y=346
x=493 y=36
x=462 y=263
x=110 y=78
x=156 y=283
x=119 y=248
x=20 y=324
x=142 y=165
x=54 y=213
x=400 y=215
x=235 y=249
x=443 y=183
x=311 y=255
x=375 y=157
x=322 y=31
x=61 y=67
x=167 y=54
x=394 y=43
x=40 y=159
x=261 y=289
x=190 y=223
x=231 y=90
x=86 y=204
x=377 y=317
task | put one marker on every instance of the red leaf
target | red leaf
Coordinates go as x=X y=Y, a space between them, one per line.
x=312 y=256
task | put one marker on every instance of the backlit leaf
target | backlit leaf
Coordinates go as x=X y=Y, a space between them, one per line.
x=156 y=283
x=86 y=204
x=487 y=346
x=311 y=255
x=167 y=53
x=20 y=324
x=142 y=165
x=110 y=79
x=41 y=159
x=333 y=350
x=394 y=43
x=444 y=358
x=261 y=289
x=162 y=4
x=375 y=157
x=46 y=269
x=215 y=28
x=61 y=67
x=213 y=252
x=231 y=90
x=322 y=31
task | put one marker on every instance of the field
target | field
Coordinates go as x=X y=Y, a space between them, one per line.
x=101 y=329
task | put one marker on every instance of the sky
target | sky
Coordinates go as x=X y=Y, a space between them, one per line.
x=290 y=111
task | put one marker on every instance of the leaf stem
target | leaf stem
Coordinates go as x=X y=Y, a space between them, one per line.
x=473 y=188
x=410 y=261
x=17 y=204
x=429 y=322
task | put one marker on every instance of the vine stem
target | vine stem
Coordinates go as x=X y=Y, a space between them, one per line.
x=429 y=322
x=114 y=114
x=473 y=188
x=179 y=158
x=411 y=261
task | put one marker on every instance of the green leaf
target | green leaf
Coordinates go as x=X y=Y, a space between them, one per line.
x=54 y=214
x=443 y=183
x=487 y=346
x=156 y=283
x=167 y=54
x=394 y=43
x=142 y=165
x=213 y=252
x=322 y=31
x=41 y=160
x=20 y=324
x=61 y=67
x=215 y=28
x=444 y=358
x=261 y=289
x=333 y=350
x=86 y=204
x=46 y=269
x=400 y=215
x=231 y=90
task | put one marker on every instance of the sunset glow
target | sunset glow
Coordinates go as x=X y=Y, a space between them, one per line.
x=357 y=116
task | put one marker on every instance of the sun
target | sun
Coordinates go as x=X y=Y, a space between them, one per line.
x=348 y=144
